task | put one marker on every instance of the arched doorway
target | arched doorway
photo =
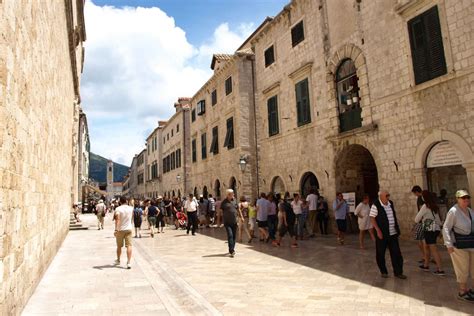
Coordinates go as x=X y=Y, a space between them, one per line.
x=356 y=171
x=179 y=193
x=173 y=194
x=308 y=182
x=195 y=192
x=278 y=186
x=217 y=189
x=204 y=192
x=445 y=171
x=233 y=186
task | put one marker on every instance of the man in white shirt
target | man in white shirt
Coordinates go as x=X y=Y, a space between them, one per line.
x=191 y=207
x=384 y=219
x=123 y=230
x=100 y=209
x=312 y=200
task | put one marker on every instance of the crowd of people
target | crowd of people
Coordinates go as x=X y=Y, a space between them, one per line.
x=272 y=217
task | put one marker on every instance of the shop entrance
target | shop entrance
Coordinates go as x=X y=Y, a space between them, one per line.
x=308 y=182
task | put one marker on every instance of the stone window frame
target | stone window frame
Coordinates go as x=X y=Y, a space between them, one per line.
x=300 y=74
x=409 y=10
x=269 y=92
x=273 y=46
x=296 y=44
x=350 y=51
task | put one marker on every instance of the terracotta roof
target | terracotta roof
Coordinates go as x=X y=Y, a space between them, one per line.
x=219 y=57
x=184 y=99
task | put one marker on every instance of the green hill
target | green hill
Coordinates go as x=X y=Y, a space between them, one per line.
x=98 y=169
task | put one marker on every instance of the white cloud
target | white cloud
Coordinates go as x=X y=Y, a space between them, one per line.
x=137 y=63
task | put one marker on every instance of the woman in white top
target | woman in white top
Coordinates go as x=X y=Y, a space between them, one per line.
x=362 y=211
x=459 y=223
x=428 y=216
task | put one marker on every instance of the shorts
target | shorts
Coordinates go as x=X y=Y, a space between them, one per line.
x=122 y=235
x=341 y=225
x=282 y=230
x=262 y=224
x=252 y=223
x=138 y=223
x=430 y=237
x=152 y=220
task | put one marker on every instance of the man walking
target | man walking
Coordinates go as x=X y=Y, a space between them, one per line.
x=191 y=207
x=100 y=212
x=384 y=220
x=229 y=212
x=212 y=210
x=312 y=200
x=340 y=209
x=123 y=230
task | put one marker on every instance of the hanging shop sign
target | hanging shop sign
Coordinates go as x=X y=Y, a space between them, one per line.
x=350 y=198
x=443 y=154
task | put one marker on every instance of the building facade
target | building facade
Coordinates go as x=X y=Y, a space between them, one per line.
x=40 y=68
x=222 y=129
x=175 y=158
x=153 y=162
x=141 y=169
x=83 y=157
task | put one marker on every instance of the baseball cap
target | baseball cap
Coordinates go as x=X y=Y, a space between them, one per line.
x=461 y=193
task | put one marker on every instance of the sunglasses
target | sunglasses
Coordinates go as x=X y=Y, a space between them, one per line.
x=466 y=197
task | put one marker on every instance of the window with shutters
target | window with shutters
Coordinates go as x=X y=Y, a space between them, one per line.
x=201 y=107
x=214 y=97
x=427 y=48
x=215 y=141
x=194 y=153
x=164 y=165
x=203 y=146
x=273 y=124
x=178 y=158
x=229 y=136
x=173 y=161
x=269 y=56
x=303 y=111
x=347 y=90
x=228 y=86
x=177 y=128
x=193 y=115
x=297 y=34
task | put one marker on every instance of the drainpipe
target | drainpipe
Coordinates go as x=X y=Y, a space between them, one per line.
x=255 y=127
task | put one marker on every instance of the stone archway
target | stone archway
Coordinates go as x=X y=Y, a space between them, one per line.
x=278 y=186
x=233 y=186
x=444 y=160
x=195 y=192
x=308 y=182
x=217 y=189
x=205 y=193
x=356 y=171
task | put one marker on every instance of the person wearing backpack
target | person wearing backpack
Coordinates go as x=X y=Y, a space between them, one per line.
x=137 y=220
x=428 y=216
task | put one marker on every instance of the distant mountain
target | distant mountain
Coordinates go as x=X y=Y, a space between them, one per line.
x=98 y=169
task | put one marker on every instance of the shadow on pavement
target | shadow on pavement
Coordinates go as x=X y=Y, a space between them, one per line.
x=324 y=254
x=217 y=255
x=108 y=266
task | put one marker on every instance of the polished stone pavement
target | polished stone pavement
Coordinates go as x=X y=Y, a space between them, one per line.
x=179 y=274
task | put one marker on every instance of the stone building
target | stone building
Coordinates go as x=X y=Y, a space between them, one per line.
x=175 y=151
x=153 y=161
x=141 y=169
x=41 y=59
x=354 y=96
x=222 y=128
x=84 y=148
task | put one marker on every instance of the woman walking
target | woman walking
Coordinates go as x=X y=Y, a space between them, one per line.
x=243 y=219
x=252 y=220
x=458 y=234
x=137 y=220
x=428 y=215
x=296 y=205
x=362 y=211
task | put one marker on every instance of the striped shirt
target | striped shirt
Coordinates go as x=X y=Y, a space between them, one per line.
x=391 y=219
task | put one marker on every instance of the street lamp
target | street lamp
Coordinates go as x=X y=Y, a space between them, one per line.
x=243 y=163
x=178 y=178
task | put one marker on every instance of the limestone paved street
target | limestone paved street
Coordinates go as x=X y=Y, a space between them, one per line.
x=178 y=274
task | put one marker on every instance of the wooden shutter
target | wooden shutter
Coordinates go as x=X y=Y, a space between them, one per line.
x=229 y=137
x=272 y=105
x=435 y=43
x=203 y=146
x=194 y=150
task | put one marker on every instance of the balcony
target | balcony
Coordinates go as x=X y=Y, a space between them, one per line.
x=350 y=119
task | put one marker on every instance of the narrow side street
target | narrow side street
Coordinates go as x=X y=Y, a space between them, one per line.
x=179 y=274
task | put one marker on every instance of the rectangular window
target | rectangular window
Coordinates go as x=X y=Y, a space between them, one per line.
x=427 y=48
x=172 y=132
x=215 y=141
x=193 y=145
x=302 y=102
x=229 y=136
x=203 y=146
x=214 y=97
x=273 y=124
x=269 y=56
x=177 y=128
x=193 y=115
x=173 y=161
x=168 y=136
x=178 y=158
x=297 y=34
x=201 y=107
x=228 y=86
x=164 y=165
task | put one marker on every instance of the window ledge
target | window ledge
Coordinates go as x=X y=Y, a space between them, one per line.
x=353 y=132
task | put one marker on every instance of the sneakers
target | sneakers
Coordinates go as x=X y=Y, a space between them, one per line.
x=117 y=262
x=439 y=272
x=401 y=276
x=422 y=267
x=232 y=254
x=129 y=266
x=465 y=297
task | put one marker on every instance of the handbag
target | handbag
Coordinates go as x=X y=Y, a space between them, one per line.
x=465 y=241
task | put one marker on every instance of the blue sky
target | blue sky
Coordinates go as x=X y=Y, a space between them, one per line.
x=141 y=55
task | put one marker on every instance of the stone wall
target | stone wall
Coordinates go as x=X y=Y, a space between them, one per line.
x=38 y=113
